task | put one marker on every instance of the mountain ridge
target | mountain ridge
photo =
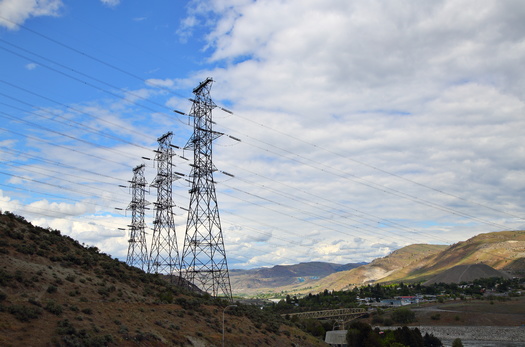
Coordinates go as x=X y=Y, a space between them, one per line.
x=282 y=275
x=501 y=250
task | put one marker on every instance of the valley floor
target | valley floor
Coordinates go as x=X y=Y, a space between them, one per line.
x=474 y=333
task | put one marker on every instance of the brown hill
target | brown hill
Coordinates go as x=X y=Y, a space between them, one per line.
x=56 y=292
x=503 y=250
x=397 y=261
x=466 y=273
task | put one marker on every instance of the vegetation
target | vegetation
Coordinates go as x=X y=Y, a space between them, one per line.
x=86 y=298
x=403 y=316
x=362 y=335
x=374 y=293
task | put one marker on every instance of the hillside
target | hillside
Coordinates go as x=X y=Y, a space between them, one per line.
x=466 y=273
x=395 y=262
x=54 y=291
x=503 y=251
x=377 y=269
x=251 y=281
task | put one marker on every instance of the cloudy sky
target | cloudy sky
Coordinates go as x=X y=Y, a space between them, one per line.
x=365 y=125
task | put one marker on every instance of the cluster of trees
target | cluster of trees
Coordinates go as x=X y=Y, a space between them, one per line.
x=361 y=334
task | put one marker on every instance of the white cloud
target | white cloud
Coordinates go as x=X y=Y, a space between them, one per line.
x=31 y=66
x=16 y=12
x=430 y=92
x=365 y=126
x=111 y=3
x=60 y=209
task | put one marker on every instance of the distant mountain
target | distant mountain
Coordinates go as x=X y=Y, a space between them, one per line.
x=254 y=280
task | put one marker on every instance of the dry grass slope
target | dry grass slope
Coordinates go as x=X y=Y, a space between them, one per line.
x=56 y=292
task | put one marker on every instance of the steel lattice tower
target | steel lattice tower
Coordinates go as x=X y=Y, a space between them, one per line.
x=164 y=255
x=137 y=249
x=203 y=261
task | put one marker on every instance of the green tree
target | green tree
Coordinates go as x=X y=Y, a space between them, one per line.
x=432 y=341
x=409 y=337
x=360 y=334
x=457 y=343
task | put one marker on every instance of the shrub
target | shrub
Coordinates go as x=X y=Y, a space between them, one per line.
x=51 y=289
x=53 y=307
x=5 y=278
x=457 y=343
x=403 y=316
x=87 y=311
x=26 y=249
x=24 y=313
x=74 y=292
x=64 y=327
x=35 y=302
x=388 y=322
x=378 y=320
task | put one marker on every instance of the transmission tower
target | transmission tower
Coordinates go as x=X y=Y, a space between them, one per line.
x=137 y=249
x=203 y=261
x=164 y=255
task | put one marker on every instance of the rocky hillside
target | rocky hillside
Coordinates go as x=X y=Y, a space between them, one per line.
x=56 y=292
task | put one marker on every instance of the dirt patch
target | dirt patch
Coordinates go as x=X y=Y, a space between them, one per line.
x=473 y=313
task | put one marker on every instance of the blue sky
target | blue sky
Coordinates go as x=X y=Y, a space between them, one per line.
x=364 y=126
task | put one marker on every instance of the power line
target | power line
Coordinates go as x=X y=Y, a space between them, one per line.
x=7 y=116
x=396 y=192
x=245 y=118
x=117 y=126
x=67 y=121
x=325 y=149
x=112 y=66
x=367 y=183
x=371 y=166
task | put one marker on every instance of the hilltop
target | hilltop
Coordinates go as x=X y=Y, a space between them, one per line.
x=55 y=291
